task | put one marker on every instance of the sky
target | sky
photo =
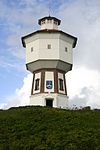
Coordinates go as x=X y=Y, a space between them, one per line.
x=80 y=18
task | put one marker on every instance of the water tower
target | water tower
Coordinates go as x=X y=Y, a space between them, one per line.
x=48 y=57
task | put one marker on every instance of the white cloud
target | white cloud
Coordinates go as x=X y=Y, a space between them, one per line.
x=24 y=92
x=83 y=87
x=21 y=96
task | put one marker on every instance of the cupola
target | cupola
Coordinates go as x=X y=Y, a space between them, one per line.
x=49 y=22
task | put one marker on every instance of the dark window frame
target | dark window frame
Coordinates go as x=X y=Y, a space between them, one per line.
x=61 y=84
x=37 y=82
x=43 y=22
x=55 y=22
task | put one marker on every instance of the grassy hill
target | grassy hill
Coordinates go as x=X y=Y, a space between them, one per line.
x=41 y=128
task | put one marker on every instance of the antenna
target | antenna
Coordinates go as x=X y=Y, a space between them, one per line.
x=49 y=7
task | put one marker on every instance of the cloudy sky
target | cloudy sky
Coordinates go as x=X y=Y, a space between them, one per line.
x=80 y=18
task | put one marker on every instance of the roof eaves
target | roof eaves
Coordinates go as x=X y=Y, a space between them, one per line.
x=48 y=31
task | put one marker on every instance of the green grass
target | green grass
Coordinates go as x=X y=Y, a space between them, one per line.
x=41 y=128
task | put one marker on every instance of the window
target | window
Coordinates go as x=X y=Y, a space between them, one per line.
x=49 y=21
x=43 y=22
x=66 y=50
x=55 y=22
x=49 y=46
x=61 y=85
x=31 y=49
x=37 y=84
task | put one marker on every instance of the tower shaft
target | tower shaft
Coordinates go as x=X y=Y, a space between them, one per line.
x=48 y=85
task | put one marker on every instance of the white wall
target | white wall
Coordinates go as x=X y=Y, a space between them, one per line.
x=37 y=99
x=41 y=51
x=45 y=53
x=59 y=100
x=34 y=55
x=63 y=55
x=62 y=101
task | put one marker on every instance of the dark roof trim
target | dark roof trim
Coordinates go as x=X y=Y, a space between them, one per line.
x=50 y=18
x=48 y=31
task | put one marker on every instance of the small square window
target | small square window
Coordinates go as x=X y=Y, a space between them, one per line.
x=66 y=49
x=55 y=22
x=49 y=21
x=43 y=22
x=31 y=49
x=49 y=46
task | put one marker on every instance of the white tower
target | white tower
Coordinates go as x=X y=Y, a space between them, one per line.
x=49 y=57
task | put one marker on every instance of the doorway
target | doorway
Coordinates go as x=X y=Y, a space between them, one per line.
x=49 y=102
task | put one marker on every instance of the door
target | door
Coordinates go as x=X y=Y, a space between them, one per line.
x=49 y=102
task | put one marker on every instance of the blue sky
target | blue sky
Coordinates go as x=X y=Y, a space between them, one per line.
x=79 y=18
